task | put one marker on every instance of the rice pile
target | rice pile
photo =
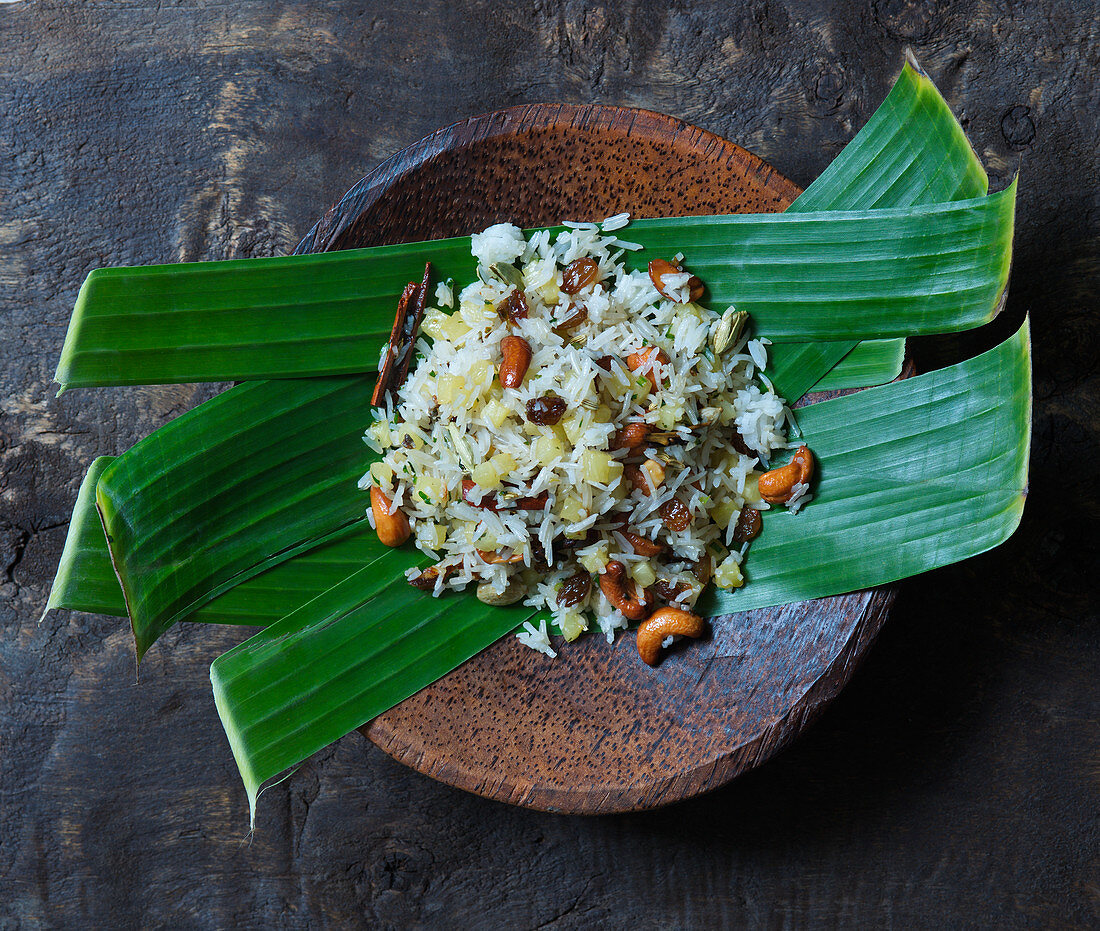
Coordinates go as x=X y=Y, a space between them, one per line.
x=454 y=422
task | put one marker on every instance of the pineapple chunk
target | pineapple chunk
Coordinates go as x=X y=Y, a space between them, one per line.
x=572 y=510
x=572 y=624
x=486 y=476
x=382 y=474
x=752 y=489
x=450 y=386
x=454 y=328
x=480 y=374
x=725 y=511
x=431 y=487
x=642 y=573
x=598 y=466
x=728 y=574
x=432 y=323
x=603 y=414
x=596 y=560
x=575 y=425
x=379 y=431
x=504 y=463
x=496 y=413
x=548 y=447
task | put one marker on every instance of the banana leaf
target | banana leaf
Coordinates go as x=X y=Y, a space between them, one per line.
x=841 y=275
x=249 y=479
x=911 y=151
x=914 y=475
x=345 y=657
x=870 y=362
x=86 y=580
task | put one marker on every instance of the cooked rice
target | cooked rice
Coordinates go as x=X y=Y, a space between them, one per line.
x=452 y=420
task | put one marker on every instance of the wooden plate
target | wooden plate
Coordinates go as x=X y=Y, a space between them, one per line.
x=596 y=730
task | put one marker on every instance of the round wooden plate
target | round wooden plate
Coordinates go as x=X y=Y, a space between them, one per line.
x=596 y=730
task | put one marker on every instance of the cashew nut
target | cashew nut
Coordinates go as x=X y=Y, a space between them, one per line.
x=392 y=529
x=664 y=623
x=646 y=359
x=643 y=546
x=633 y=605
x=517 y=357
x=659 y=268
x=777 y=485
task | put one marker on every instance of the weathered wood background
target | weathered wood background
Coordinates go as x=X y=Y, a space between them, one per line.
x=956 y=782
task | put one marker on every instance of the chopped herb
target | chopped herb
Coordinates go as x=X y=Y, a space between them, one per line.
x=425 y=497
x=668 y=333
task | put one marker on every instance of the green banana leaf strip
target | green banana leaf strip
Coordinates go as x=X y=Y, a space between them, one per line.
x=249 y=479
x=911 y=151
x=870 y=362
x=86 y=580
x=913 y=476
x=835 y=275
x=345 y=657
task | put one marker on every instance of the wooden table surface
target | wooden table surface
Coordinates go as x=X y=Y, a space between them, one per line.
x=956 y=783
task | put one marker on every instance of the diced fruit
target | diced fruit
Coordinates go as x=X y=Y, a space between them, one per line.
x=486 y=476
x=431 y=325
x=480 y=374
x=380 y=432
x=450 y=386
x=454 y=328
x=572 y=510
x=752 y=491
x=642 y=573
x=382 y=474
x=596 y=560
x=431 y=487
x=728 y=574
x=572 y=624
x=548 y=447
x=598 y=466
x=724 y=511
x=496 y=413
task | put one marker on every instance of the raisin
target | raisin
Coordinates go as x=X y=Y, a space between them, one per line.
x=669 y=592
x=578 y=274
x=575 y=319
x=513 y=307
x=676 y=515
x=545 y=411
x=574 y=589
x=737 y=441
x=748 y=526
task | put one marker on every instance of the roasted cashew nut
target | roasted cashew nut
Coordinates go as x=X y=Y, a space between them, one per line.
x=612 y=583
x=777 y=485
x=392 y=529
x=663 y=623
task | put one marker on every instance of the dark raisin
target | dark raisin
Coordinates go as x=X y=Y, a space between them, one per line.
x=545 y=411
x=748 y=526
x=574 y=589
x=703 y=568
x=575 y=319
x=538 y=556
x=578 y=274
x=513 y=307
x=407 y=442
x=669 y=592
x=737 y=441
x=676 y=515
